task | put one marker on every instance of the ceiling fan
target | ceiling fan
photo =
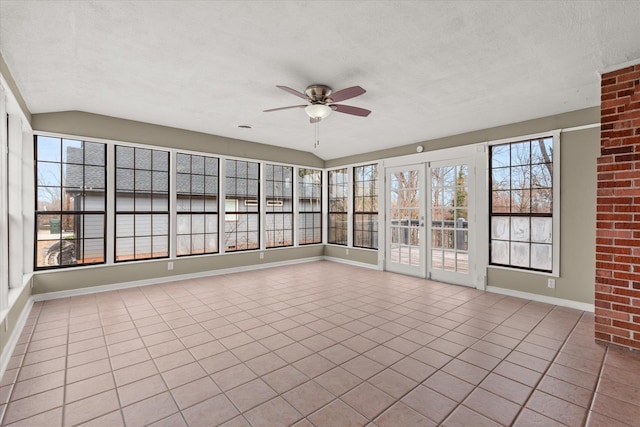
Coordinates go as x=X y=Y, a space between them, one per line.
x=322 y=101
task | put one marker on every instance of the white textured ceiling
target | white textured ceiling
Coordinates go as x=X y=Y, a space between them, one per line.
x=431 y=69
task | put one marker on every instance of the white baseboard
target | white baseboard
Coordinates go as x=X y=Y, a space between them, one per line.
x=7 y=351
x=167 y=279
x=542 y=298
x=354 y=263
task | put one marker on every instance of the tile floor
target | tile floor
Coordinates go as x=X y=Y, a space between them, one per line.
x=321 y=344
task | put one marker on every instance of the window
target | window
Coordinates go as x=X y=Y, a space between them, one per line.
x=4 y=201
x=278 y=189
x=70 y=202
x=309 y=206
x=337 y=226
x=522 y=204
x=197 y=204
x=365 y=206
x=142 y=203
x=242 y=225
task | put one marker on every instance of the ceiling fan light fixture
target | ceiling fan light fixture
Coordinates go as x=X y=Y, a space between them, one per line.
x=318 y=111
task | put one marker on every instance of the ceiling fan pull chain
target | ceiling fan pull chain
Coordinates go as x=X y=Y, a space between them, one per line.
x=317 y=141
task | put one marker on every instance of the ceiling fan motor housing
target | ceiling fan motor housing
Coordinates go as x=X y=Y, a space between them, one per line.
x=318 y=93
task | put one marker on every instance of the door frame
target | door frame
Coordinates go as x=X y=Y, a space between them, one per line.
x=477 y=152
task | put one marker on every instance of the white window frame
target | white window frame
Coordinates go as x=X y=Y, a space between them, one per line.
x=555 y=135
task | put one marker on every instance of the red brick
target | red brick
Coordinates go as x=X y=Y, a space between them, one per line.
x=613 y=298
x=616 y=73
x=612 y=314
x=625 y=308
x=613 y=331
x=634 y=75
x=632 y=293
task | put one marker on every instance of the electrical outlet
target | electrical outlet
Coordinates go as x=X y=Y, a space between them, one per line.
x=261 y=255
x=551 y=283
x=347 y=251
x=170 y=265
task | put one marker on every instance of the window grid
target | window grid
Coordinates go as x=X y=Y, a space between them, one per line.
x=309 y=206
x=142 y=204
x=70 y=199
x=278 y=188
x=337 y=227
x=521 y=204
x=242 y=209
x=196 y=204
x=365 y=206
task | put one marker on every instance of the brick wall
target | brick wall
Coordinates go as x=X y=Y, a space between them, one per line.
x=617 y=292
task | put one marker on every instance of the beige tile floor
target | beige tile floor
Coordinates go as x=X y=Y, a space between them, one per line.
x=321 y=344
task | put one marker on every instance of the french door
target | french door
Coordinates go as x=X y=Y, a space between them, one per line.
x=405 y=220
x=430 y=228
x=451 y=221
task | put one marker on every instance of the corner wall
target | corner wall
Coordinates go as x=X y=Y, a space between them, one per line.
x=617 y=292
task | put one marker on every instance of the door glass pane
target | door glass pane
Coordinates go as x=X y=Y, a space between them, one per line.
x=405 y=218
x=449 y=218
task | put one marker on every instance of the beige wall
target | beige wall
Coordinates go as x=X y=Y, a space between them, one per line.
x=572 y=119
x=78 y=278
x=363 y=256
x=104 y=127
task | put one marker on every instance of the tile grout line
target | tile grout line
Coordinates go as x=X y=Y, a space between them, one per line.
x=597 y=386
x=544 y=374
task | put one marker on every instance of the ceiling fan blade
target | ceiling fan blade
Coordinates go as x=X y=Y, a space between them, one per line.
x=283 y=108
x=348 y=93
x=348 y=109
x=313 y=120
x=293 y=92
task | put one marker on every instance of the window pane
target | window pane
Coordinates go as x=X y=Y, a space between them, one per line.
x=500 y=252
x=94 y=153
x=541 y=257
x=501 y=179
x=542 y=151
x=520 y=228
x=541 y=230
x=49 y=149
x=520 y=153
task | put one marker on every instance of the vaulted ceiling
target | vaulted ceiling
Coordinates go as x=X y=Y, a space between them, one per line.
x=431 y=69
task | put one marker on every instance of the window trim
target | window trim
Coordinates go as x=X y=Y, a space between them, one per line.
x=555 y=211
x=273 y=202
x=62 y=212
x=134 y=212
x=363 y=213
x=222 y=177
x=349 y=196
x=298 y=211
x=173 y=207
